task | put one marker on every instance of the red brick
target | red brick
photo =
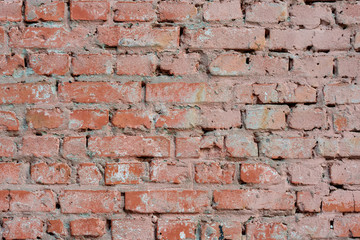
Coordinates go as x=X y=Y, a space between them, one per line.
x=97 y=92
x=222 y=11
x=47 y=37
x=310 y=227
x=140 y=37
x=90 y=227
x=347 y=226
x=56 y=227
x=336 y=39
x=48 y=64
x=36 y=201
x=175 y=92
x=53 y=173
x=22 y=228
x=130 y=146
x=15 y=173
x=167 y=201
x=88 y=119
x=176 y=229
x=347 y=13
x=341 y=94
x=243 y=93
x=311 y=16
x=2 y=38
x=131 y=119
x=89 y=174
x=345 y=118
x=266 y=231
x=125 y=173
x=179 y=119
x=308 y=201
x=7 y=147
x=214 y=172
x=89 y=10
x=307 y=118
x=188 y=147
x=40 y=146
x=349 y=146
x=89 y=64
x=309 y=66
x=348 y=66
x=345 y=172
x=271 y=117
x=219 y=119
x=241 y=146
x=142 y=65
x=290 y=39
x=356 y=40
x=215 y=230
x=74 y=148
x=44 y=10
x=4 y=200
x=265 y=13
x=20 y=93
x=127 y=228
x=225 y=38
x=11 y=11
x=258 y=173
x=168 y=171
x=229 y=64
x=88 y=201
x=287 y=147
x=180 y=64
x=284 y=93
x=268 y=65
x=9 y=65
x=328 y=147
x=8 y=121
x=176 y=11
x=134 y=12
x=306 y=173
x=339 y=201
x=253 y=199
x=44 y=118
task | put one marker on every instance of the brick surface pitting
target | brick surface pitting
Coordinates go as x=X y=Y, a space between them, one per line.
x=172 y=120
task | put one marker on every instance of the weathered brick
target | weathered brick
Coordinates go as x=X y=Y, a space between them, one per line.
x=265 y=13
x=89 y=174
x=188 y=147
x=241 y=146
x=223 y=228
x=8 y=121
x=36 y=201
x=88 y=119
x=168 y=171
x=89 y=10
x=225 y=38
x=44 y=10
x=347 y=226
x=305 y=173
x=176 y=11
x=307 y=118
x=345 y=172
x=41 y=119
x=22 y=228
x=74 y=148
x=179 y=119
x=142 y=65
x=140 y=37
x=90 y=201
x=222 y=11
x=287 y=147
x=214 y=172
x=167 y=201
x=4 y=200
x=266 y=117
x=348 y=13
x=311 y=16
x=346 y=118
x=180 y=64
x=131 y=146
x=132 y=228
x=273 y=230
x=9 y=64
x=308 y=201
x=220 y=119
x=40 y=146
x=131 y=119
x=341 y=94
x=10 y=11
x=134 y=12
x=90 y=227
x=253 y=199
x=92 y=64
x=176 y=229
x=348 y=66
x=339 y=201
x=57 y=227
x=125 y=173
x=48 y=64
x=310 y=227
x=15 y=172
x=20 y=93
x=259 y=173
x=97 y=92
x=53 y=173
x=309 y=66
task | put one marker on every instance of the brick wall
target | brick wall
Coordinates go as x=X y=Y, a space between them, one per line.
x=176 y=120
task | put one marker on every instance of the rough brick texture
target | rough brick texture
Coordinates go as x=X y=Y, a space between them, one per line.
x=186 y=119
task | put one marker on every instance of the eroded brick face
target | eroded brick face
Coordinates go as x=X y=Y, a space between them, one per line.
x=173 y=120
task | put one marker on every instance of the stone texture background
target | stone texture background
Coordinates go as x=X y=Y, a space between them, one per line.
x=176 y=120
